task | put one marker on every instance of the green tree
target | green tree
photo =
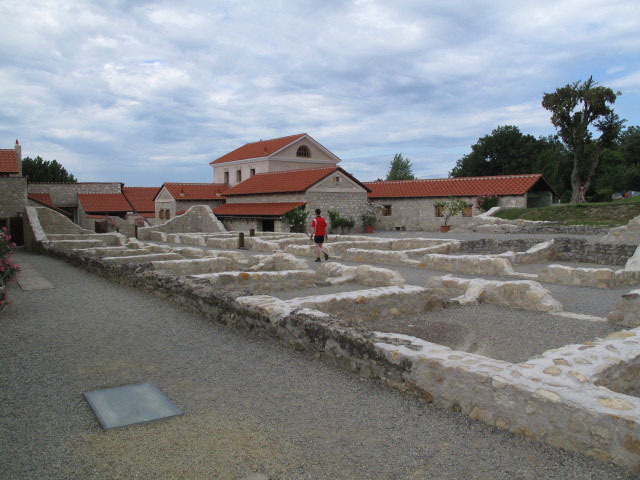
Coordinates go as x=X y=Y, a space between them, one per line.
x=505 y=151
x=400 y=169
x=630 y=146
x=39 y=170
x=576 y=109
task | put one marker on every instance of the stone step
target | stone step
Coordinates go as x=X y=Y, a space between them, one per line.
x=77 y=244
x=152 y=257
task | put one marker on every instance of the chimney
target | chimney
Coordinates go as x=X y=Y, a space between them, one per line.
x=19 y=156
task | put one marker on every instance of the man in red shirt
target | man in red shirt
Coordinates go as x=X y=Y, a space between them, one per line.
x=319 y=235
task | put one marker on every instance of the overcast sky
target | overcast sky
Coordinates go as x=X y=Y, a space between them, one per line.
x=146 y=92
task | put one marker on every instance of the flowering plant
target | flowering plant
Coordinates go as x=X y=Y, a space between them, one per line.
x=110 y=221
x=487 y=201
x=8 y=270
x=139 y=221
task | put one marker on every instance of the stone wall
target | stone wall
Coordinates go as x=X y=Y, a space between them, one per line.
x=348 y=204
x=66 y=194
x=577 y=250
x=419 y=214
x=198 y=218
x=13 y=198
x=553 y=398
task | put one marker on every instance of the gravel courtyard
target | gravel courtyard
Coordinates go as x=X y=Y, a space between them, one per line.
x=251 y=406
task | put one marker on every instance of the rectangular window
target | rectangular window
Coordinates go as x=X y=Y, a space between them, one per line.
x=167 y=215
x=468 y=210
x=252 y=172
x=238 y=176
x=386 y=210
x=439 y=211
x=336 y=179
x=226 y=177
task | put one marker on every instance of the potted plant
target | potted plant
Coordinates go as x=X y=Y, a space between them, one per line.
x=450 y=209
x=369 y=219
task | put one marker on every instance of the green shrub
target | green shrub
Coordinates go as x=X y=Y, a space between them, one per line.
x=297 y=219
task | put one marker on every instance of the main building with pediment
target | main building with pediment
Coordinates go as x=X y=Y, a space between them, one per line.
x=294 y=152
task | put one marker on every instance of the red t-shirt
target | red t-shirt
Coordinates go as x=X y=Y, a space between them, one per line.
x=320 y=226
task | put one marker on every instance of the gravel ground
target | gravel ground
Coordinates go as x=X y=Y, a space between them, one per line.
x=251 y=406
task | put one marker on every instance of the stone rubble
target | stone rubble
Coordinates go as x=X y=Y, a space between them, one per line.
x=569 y=397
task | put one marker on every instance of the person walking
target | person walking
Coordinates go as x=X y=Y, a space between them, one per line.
x=319 y=235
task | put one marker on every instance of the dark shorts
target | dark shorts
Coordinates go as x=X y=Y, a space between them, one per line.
x=318 y=238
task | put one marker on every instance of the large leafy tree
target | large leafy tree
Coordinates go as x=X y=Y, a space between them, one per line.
x=400 y=169
x=39 y=170
x=504 y=151
x=577 y=109
x=507 y=151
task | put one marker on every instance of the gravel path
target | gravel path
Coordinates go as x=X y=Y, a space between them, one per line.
x=251 y=406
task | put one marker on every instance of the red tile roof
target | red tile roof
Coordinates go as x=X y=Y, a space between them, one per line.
x=196 y=191
x=260 y=149
x=141 y=198
x=147 y=214
x=287 y=181
x=104 y=202
x=253 y=209
x=9 y=161
x=45 y=199
x=454 y=187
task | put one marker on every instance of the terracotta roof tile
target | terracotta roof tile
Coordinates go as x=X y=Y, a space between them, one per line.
x=141 y=198
x=260 y=149
x=252 y=209
x=453 y=187
x=45 y=199
x=287 y=181
x=9 y=161
x=104 y=202
x=196 y=191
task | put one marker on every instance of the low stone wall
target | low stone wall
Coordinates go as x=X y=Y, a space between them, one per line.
x=354 y=305
x=549 y=399
x=519 y=294
x=259 y=282
x=576 y=250
x=472 y=264
x=337 y=273
x=588 y=277
x=626 y=313
x=495 y=246
x=194 y=266
x=198 y=218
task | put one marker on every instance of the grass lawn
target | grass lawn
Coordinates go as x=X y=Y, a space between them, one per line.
x=614 y=213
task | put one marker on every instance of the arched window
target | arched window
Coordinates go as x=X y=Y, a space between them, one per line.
x=303 y=151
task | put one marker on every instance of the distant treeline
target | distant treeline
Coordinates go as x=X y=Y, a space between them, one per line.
x=508 y=151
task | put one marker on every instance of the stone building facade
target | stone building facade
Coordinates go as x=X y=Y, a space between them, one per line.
x=279 y=154
x=65 y=195
x=175 y=198
x=326 y=189
x=13 y=199
x=410 y=204
x=13 y=191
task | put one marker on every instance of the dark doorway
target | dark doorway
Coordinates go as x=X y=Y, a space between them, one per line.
x=101 y=227
x=267 y=225
x=15 y=229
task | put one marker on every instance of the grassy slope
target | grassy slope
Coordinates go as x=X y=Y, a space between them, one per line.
x=614 y=213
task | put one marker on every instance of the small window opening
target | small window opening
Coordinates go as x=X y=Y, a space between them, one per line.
x=303 y=151
x=386 y=210
x=226 y=177
x=439 y=211
x=468 y=210
x=238 y=176
x=252 y=172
